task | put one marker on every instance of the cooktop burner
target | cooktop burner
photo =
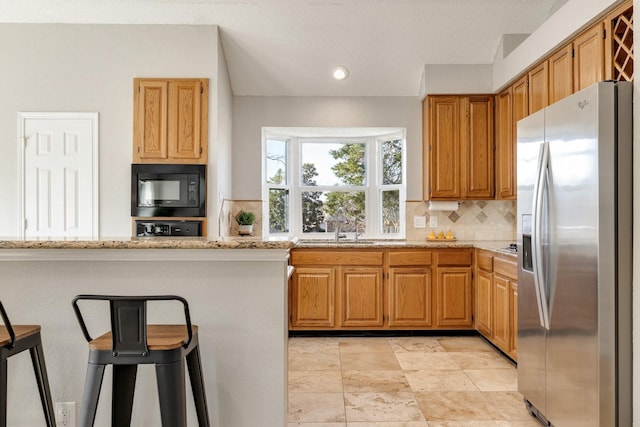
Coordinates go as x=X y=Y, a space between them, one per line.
x=513 y=248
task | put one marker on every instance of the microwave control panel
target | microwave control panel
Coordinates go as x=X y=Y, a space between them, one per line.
x=192 y=190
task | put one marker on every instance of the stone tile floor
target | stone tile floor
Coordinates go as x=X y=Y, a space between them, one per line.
x=402 y=382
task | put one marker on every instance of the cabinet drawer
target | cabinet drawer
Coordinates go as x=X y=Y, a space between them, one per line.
x=336 y=257
x=454 y=257
x=419 y=258
x=505 y=268
x=484 y=260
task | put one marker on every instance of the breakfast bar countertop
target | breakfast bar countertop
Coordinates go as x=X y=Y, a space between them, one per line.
x=500 y=246
x=146 y=243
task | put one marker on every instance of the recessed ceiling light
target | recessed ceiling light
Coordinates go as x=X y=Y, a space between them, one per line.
x=340 y=72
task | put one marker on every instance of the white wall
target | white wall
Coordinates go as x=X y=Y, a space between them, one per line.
x=561 y=26
x=50 y=67
x=250 y=114
x=220 y=152
x=456 y=78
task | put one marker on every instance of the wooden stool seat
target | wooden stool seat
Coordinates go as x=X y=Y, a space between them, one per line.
x=132 y=342
x=15 y=339
x=21 y=331
x=159 y=337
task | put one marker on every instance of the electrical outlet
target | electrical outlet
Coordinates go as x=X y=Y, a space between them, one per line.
x=419 y=222
x=65 y=414
x=433 y=221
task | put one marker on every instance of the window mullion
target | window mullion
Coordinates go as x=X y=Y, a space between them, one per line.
x=373 y=203
x=296 y=195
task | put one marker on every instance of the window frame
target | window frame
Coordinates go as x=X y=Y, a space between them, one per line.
x=373 y=187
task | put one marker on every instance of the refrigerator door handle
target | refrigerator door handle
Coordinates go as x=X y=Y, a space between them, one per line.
x=536 y=252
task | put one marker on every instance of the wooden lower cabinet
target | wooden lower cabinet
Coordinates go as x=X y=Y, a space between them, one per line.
x=361 y=297
x=409 y=289
x=484 y=304
x=496 y=300
x=453 y=297
x=513 y=320
x=453 y=303
x=336 y=289
x=404 y=289
x=410 y=299
x=501 y=324
x=312 y=297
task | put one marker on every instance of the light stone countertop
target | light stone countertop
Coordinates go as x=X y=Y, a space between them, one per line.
x=242 y=243
x=498 y=246
x=147 y=243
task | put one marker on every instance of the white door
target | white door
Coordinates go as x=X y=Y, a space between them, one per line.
x=59 y=187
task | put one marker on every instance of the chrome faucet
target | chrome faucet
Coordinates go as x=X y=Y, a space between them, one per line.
x=339 y=219
x=357 y=233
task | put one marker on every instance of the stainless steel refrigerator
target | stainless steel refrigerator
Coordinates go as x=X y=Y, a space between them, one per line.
x=574 y=258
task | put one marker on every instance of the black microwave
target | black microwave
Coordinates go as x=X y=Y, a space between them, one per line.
x=168 y=190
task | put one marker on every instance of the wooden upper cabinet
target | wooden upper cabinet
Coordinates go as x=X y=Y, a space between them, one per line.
x=588 y=48
x=185 y=116
x=538 y=78
x=520 y=101
x=478 y=148
x=170 y=122
x=618 y=47
x=460 y=147
x=505 y=146
x=444 y=147
x=561 y=74
x=150 y=120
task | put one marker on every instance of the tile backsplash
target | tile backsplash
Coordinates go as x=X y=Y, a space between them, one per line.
x=230 y=208
x=474 y=220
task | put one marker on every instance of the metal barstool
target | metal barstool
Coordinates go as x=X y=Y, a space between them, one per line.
x=15 y=339
x=132 y=342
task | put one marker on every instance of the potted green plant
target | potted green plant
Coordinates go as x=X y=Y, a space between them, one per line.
x=245 y=222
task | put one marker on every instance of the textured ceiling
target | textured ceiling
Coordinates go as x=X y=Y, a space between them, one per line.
x=287 y=47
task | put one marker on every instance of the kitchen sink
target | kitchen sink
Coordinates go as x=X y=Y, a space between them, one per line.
x=350 y=242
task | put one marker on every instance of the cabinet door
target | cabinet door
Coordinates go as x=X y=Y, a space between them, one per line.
x=505 y=146
x=453 y=301
x=478 y=148
x=150 y=120
x=361 y=297
x=513 y=320
x=410 y=297
x=520 y=102
x=561 y=74
x=501 y=329
x=170 y=123
x=185 y=119
x=538 y=88
x=520 y=111
x=444 y=147
x=483 y=303
x=313 y=297
x=588 y=50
